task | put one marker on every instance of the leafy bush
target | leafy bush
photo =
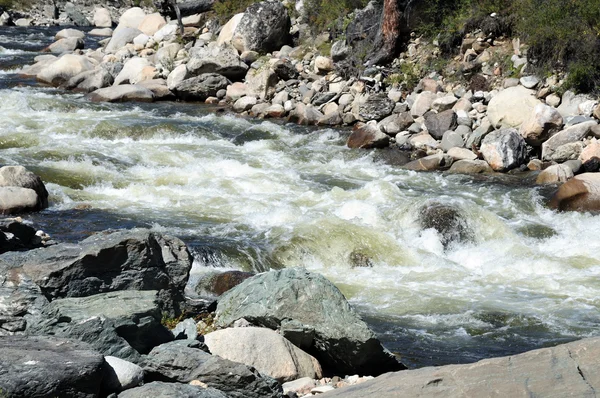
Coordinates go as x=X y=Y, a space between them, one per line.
x=225 y=9
x=323 y=14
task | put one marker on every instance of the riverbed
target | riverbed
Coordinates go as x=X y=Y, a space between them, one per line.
x=256 y=195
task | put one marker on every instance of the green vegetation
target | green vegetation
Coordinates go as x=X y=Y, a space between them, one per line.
x=225 y=9
x=561 y=34
x=324 y=14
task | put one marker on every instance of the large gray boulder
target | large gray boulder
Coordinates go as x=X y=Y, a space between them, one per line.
x=120 y=37
x=90 y=80
x=223 y=60
x=376 y=107
x=504 y=149
x=543 y=122
x=569 y=135
x=21 y=191
x=136 y=259
x=511 y=107
x=316 y=316
x=123 y=324
x=438 y=123
x=76 y=15
x=181 y=361
x=201 y=87
x=121 y=375
x=46 y=366
x=569 y=370
x=122 y=93
x=264 y=349
x=15 y=200
x=264 y=27
x=64 y=68
x=158 y=389
x=67 y=44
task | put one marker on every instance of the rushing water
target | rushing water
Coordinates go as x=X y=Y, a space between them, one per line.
x=253 y=195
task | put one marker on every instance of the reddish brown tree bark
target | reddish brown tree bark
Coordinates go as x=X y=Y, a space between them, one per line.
x=389 y=32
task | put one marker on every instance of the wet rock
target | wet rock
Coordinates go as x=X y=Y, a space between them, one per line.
x=124 y=324
x=222 y=60
x=367 y=136
x=564 y=370
x=470 y=167
x=159 y=389
x=180 y=361
x=201 y=87
x=19 y=176
x=65 y=33
x=566 y=136
x=361 y=260
x=511 y=107
x=64 y=68
x=264 y=27
x=581 y=193
x=123 y=260
x=438 y=123
x=121 y=375
x=264 y=349
x=46 y=366
x=554 y=174
x=435 y=162
x=122 y=93
x=90 y=80
x=504 y=149
x=376 y=107
x=543 y=122
x=342 y=341
x=17 y=235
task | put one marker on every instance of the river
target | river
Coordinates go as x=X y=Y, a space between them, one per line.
x=254 y=195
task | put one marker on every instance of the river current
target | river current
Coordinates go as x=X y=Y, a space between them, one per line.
x=254 y=195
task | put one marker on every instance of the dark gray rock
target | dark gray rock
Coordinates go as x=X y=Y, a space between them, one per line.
x=122 y=324
x=223 y=60
x=265 y=27
x=181 y=361
x=136 y=259
x=342 y=342
x=376 y=107
x=159 y=389
x=186 y=330
x=214 y=284
x=75 y=15
x=201 y=87
x=90 y=80
x=449 y=221
x=322 y=98
x=45 y=366
x=285 y=70
x=438 y=123
x=17 y=236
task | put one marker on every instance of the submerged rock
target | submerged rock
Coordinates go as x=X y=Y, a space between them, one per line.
x=327 y=326
x=447 y=220
x=581 y=193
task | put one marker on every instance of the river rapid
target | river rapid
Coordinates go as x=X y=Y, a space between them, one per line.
x=254 y=195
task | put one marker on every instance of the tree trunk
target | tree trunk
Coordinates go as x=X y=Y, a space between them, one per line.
x=195 y=7
x=389 y=33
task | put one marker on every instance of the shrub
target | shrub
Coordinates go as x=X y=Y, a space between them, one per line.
x=225 y=9
x=323 y=14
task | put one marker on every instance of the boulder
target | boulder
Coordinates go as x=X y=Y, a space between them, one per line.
x=151 y=24
x=102 y=18
x=136 y=259
x=124 y=324
x=434 y=162
x=444 y=103
x=264 y=27
x=19 y=176
x=261 y=82
x=167 y=32
x=563 y=153
x=122 y=93
x=120 y=37
x=65 y=33
x=285 y=70
x=565 y=370
x=47 y=366
x=449 y=222
x=182 y=361
x=323 y=65
x=76 y=15
x=236 y=91
x=511 y=107
x=581 y=193
x=543 y=122
x=423 y=141
x=422 y=103
x=64 y=68
x=158 y=389
x=452 y=139
x=102 y=32
x=91 y=80
x=367 y=136
x=504 y=149
x=167 y=54
x=570 y=103
x=159 y=88
x=201 y=87
x=305 y=115
x=571 y=134
x=16 y=235
x=376 y=107
x=223 y=60
x=438 y=123
x=557 y=173
x=121 y=375
x=16 y=200
x=592 y=150
x=226 y=33
x=244 y=104
x=461 y=154
x=135 y=70
x=176 y=76
x=470 y=167
x=313 y=314
x=264 y=349
x=396 y=123
x=132 y=18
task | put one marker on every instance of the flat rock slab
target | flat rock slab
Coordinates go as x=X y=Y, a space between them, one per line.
x=45 y=366
x=159 y=389
x=568 y=370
